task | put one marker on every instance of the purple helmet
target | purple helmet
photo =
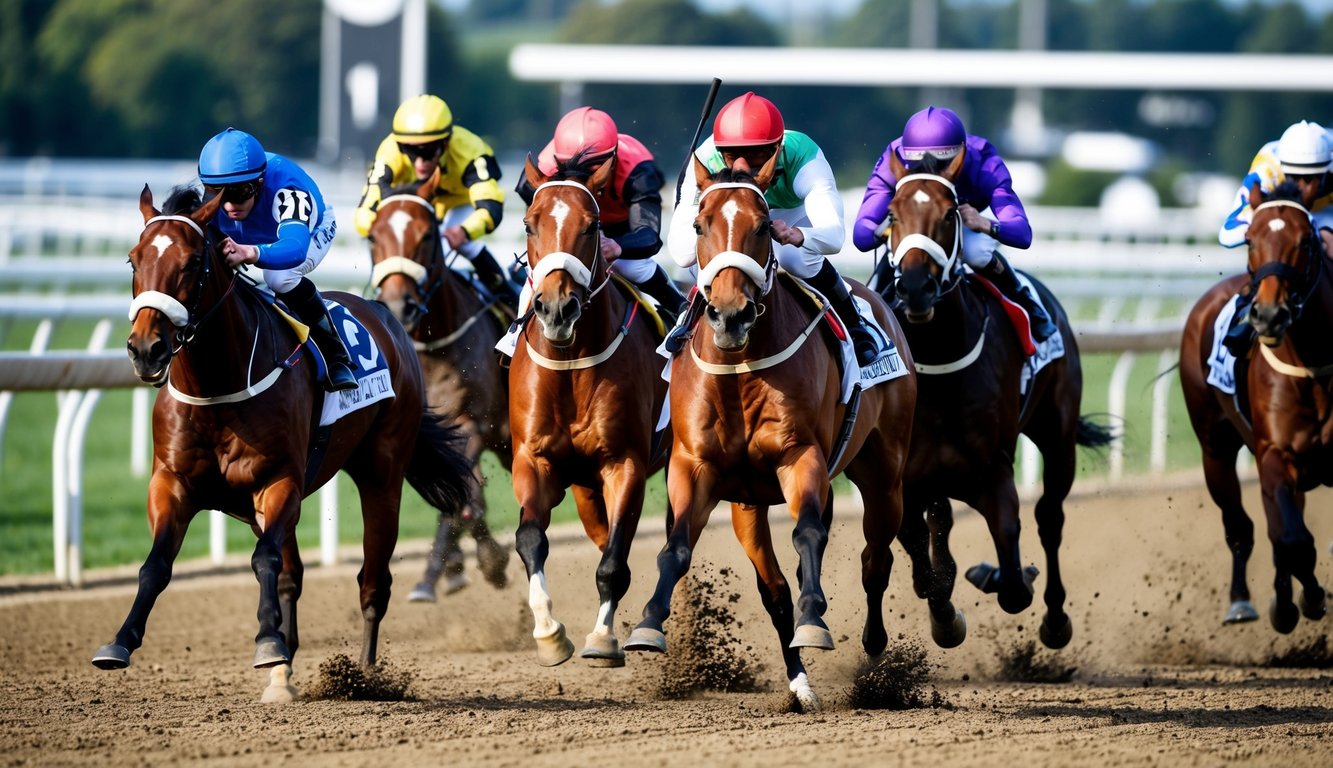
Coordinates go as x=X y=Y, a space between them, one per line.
x=935 y=130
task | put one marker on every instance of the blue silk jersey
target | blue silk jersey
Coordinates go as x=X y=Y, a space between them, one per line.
x=288 y=214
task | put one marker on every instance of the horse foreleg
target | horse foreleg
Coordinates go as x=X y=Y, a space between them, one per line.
x=690 y=491
x=751 y=526
x=168 y=528
x=806 y=487
x=381 y=494
x=280 y=689
x=445 y=555
x=1011 y=582
x=535 y=500
x=948 y=624
x=1221 y=444
x=1293 y=544
x=617 y=517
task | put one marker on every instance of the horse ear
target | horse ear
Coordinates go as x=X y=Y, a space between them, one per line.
x=146 y=204
x=427 y=190
x=534 y=175
x=1256 y=195
x=956 y=165
x=206 y=211
x=602 y=176
x=702 y=176
x=770 y=169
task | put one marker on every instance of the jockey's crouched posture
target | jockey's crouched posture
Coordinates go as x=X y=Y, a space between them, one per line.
x=274 y=216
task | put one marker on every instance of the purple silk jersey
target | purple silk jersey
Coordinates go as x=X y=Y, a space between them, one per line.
x=984 y=183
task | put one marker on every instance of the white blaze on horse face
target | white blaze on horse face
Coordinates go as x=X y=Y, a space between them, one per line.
x=398 y=223
x=559 y=211
x=729 y=211
x=1277 y=225
x=161 y=243
x=921 y=197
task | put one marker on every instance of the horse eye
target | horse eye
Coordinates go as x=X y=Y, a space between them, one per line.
x=698 y=230
x=527 y=227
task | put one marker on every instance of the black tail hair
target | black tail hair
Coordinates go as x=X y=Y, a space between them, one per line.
x=439 y=471
x=1092 y=434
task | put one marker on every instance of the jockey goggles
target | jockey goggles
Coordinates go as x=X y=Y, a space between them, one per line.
x=235 y=193
x=428 y=151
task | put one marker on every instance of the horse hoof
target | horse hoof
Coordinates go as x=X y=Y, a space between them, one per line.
x=601 y=650
x=422 y=593
x=269 y=653
x=812 y=636
x=646 y=639
x=950 y=634
x=555 y=648
x=1241 y=612
x=492 y=559
x=874 y=640
x=1283 y=616
x=805 y=695
x=984 y=577
x=112 y=656
x=1056 y=637
x=1312 y=603
x=455 y=582
x=279 y=690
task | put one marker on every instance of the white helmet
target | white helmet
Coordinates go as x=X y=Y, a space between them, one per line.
x=1304 y=149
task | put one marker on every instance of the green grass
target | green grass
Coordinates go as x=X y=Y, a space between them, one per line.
x=115 y=522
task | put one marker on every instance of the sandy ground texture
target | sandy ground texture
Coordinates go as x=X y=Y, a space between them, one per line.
x=1151 y=677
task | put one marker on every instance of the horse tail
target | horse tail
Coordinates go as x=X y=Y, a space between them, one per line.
x=438 y=470
x=1092 y=434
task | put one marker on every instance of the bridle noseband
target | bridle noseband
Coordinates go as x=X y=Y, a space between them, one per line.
x=555 y=261
x=179 y=315
x=950 y=267
x=761 y=275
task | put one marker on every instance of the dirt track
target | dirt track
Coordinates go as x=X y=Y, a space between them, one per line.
x=1158 y=680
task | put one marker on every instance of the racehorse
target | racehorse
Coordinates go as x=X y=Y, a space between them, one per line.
x=1288 y=423
x=454 y=330
x=236 y=428
x=978 y=391
x=585 y=392
x=757 y=420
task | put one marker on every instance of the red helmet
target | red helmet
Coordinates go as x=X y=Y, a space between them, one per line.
x=586 y=130
x=747 y=121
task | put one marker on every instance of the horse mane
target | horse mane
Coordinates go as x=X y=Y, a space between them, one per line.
x=579 y=167
x=734 y=176
x=1288 y=191
x=183 y=199
x=931 y=164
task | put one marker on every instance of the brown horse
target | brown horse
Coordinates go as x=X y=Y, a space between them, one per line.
x=585 y=391
x=1288 y=423
x=454 y=329
x=757 y=418
x=237 y=428
x=978 y=392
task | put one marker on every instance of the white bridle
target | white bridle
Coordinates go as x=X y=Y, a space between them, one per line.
x=563 y=260
x=947 y=261
x=760 y=275
x=399 y=264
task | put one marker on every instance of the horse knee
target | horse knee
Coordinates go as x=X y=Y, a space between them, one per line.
x=613 y=577
x=532 y=546
x=809 y=535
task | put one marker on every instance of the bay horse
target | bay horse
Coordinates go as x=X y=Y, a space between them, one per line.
x=236 y=428
x=454 y=330
x=1288 y=423
x=585 y=393
x=978 y=390
x=756 y=417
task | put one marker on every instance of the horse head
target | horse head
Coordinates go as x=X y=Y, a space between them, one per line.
x=735 y=248
x=926 y=234
x=172 y=265
x=407 y=252
x=1285 y=260
x=564 y=243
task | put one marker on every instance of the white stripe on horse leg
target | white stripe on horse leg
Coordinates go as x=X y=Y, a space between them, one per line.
x=539 y=600
x=606 y=617
x=800 y=685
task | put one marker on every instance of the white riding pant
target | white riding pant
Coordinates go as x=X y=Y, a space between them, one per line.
x=801 y=262
x=979 y=249
x=283 y=280
x=455 y=217
x=635 y=270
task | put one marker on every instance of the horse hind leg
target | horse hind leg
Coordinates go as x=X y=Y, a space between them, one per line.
x=445 y=558
x=948 y=624
x=1220 y=450
x=1293 y=549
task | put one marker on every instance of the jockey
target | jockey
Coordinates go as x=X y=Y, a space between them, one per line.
x=1301 y=156
x=804 y=205
x=630 y=206
x=274 y=216
x=468 y=201
x=983 y=183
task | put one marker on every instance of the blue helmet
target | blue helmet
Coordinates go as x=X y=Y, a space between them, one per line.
x=230 y=157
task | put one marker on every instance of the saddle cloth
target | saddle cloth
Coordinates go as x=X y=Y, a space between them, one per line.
x=372 y=370
x=1221 y=363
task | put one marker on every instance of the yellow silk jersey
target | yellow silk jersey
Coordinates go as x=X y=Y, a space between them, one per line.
x=469 y=174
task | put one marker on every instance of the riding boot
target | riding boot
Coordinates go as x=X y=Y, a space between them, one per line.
x=684 y=327
x=494 y=278
x=670 y=302
x=308 y=305
x=1241 y=335
x=1003 y=277
x=828 y=282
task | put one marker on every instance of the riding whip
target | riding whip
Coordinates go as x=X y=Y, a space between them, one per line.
x=703 y=118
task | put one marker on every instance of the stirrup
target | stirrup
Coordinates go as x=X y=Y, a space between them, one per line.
x=340 y=378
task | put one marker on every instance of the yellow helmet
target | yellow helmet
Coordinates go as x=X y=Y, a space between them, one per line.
x=422 y=119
